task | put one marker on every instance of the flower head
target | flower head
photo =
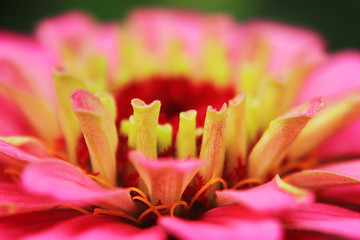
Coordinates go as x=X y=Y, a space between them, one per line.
x=177 y=124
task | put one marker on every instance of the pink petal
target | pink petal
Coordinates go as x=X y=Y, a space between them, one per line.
x=12 y=122
x=232 y=222
x=289 y=46
x=22 y=225
x=70 y=31
x=11 y=155
x=339 y=75
x=107 y=42
x=68 y=184
x=25 y=65
x=29 y=145
x=326 y=219
x=317 y=179
x=344 y=194
x=165 y=179
x=344 y=143
x=13 y=199
x=271 y=198
x=37 y=110
x=348 y=168
x=159 y=27
x=97 y=227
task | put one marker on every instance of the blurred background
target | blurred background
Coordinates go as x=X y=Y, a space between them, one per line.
x=337 y=20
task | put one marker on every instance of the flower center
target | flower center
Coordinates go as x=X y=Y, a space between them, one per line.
x=176 y=94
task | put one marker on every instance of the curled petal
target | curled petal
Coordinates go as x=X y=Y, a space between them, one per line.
x=348 y=168
x=99 y=131
x=67 y=184
x=146 y=118
x=186 y=136
x=11 y=155
x=275 y=142
x=330 y=121
x=235 y=134
x=213 y=143
x=272 y=198
x=27 y=144
x=347 y=193
x=166 y=179
x=317 y=179
x=327 y=81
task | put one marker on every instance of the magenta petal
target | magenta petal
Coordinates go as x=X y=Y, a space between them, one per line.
x=327 y=219
x=69 y=31
x=288 y=45
x=346 y=194
x=31 y=73
x=11 y=155
x=344 y=143
x=12 y=122
x=22 y=225
x=231 y=222
x=13 y=199
x=339 y=75
x=166 y=179
x=98 y=227
x=347 y=168
x=319 y=180
x=270 y=198
x=67 y=183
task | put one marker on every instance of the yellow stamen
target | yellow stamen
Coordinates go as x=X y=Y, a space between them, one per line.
x=147 y=211
x=101 y=181
x=152 y=207
x=143 y=214
x=141 y=193
x=175 y=205
x=247 y=181
x=76 y=208
x=206 y=186
x=171 y=206
x=115 y=213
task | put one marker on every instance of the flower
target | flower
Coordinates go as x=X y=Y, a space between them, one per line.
x=178 y=125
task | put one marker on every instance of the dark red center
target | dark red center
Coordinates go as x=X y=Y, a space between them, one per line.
x=176 y=93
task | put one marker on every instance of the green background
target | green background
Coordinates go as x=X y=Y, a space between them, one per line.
x=337 y=20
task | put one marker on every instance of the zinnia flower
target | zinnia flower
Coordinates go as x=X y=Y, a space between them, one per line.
x=177 y=125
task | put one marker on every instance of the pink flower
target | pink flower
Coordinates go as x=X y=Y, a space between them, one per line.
x=178 y=125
